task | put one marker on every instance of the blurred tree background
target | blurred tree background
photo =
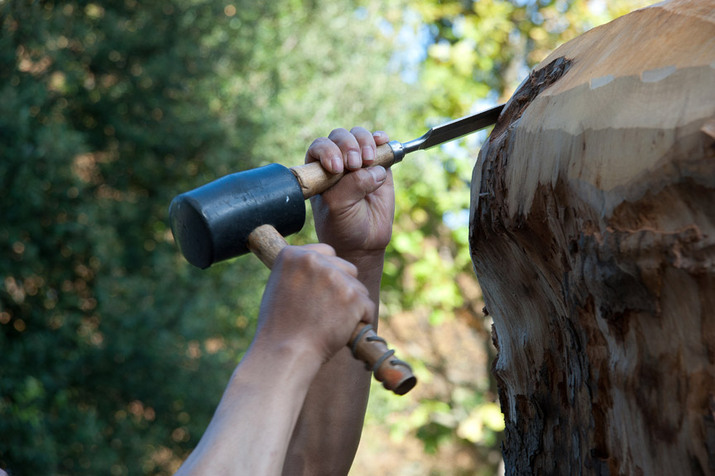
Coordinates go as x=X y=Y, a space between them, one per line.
x=114 y=350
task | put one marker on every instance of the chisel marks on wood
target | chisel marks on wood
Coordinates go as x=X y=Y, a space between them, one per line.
x=709 y=128
x=532 y=86
x=596 y=83
x=592 y=233
x=658 y=74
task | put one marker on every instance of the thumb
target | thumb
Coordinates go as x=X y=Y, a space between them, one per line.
x=354 y=186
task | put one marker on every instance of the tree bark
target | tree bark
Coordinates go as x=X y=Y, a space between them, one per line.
x=593 y=238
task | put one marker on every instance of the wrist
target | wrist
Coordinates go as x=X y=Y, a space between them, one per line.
x=366 y=261
x=287 y=358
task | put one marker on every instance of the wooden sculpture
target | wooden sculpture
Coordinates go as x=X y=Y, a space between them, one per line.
x=593 y=238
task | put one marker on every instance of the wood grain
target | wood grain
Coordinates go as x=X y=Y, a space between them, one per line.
x=592 y=232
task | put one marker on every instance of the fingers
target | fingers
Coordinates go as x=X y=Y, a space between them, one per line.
x=321 y=248
x=338 y=263
x=327 y=153
x=358 y=146
x=380 y=137
x=346 y=150
x=316 y=266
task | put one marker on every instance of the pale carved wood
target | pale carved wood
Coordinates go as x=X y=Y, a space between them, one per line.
x=593 y=238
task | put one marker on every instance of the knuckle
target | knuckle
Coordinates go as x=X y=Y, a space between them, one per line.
x=338 y=133
x=357 y=130
x=324 y=249
x=369 y=307
x=351 y=269
x=311 y=261
x=349 y=295
x=334 y=277
x=319 y=144
x=288 y=256
x=288 y=253
x=363 y=137
x=363 y=178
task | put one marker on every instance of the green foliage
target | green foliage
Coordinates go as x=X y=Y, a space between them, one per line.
x=103 y=118
x=115 y=351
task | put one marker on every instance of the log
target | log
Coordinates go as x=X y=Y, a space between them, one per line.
x=592 y=232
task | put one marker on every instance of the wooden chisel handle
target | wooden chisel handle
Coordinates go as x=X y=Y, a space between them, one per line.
x=314 y=179
x=395 y=375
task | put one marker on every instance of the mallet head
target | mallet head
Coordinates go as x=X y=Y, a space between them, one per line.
x=212 y=223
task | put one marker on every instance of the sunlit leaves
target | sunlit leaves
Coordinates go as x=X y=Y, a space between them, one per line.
x=102 y=120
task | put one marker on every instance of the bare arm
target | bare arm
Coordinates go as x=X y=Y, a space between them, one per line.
x=354 y=217
x=311 y=305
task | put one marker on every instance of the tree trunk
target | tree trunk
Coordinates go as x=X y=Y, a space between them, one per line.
x=593 y=238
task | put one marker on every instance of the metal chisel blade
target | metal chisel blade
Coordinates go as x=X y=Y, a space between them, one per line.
x=454 y=129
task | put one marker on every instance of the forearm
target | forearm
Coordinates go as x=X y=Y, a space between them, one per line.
x=328 y=430
x=250 y=431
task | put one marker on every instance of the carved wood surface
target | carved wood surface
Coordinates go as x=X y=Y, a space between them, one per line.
x=593 y=238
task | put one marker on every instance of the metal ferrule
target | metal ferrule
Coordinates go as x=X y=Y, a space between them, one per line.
x=398 y=151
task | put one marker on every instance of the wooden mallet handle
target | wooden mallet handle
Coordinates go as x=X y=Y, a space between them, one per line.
x=395 y=375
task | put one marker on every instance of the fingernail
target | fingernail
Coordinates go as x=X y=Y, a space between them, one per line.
x=336 y=164
x=378 y=173
x=368 y=154
x=354 y=161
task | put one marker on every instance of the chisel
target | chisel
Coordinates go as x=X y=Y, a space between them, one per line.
x=314 y=179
